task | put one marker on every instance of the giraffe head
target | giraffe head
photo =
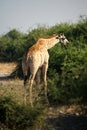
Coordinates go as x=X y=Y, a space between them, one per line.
x=62 y=38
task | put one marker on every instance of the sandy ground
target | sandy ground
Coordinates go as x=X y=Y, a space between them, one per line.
x=7 y=68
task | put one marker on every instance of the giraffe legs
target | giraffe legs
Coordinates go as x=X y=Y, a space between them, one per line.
x=44 y=72
x=28 y=91
x=31 y=80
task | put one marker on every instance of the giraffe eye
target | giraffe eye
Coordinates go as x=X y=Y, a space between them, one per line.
x=57 y=37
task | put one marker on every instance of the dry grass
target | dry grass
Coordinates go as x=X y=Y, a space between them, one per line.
x=13 y=87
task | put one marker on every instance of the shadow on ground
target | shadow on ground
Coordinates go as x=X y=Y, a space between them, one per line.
x=67 y=122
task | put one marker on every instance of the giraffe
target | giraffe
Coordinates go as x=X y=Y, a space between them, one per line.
x=37 y=57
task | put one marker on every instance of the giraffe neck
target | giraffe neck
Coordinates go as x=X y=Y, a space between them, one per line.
x=46 y=43
x=51 y=42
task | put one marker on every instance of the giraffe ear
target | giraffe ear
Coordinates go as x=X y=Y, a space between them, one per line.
x=61 y=34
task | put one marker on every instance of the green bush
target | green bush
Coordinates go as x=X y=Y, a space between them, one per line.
x=68 y=66
x=13 y=115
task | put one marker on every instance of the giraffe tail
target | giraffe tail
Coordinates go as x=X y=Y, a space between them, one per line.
x=25 y=79
x=24 y=69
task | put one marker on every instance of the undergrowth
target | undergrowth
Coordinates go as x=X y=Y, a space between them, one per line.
x=20 y=117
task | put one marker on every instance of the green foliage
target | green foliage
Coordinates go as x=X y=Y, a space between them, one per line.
x=11 y=46
x=15 y=116
x=71 y=65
